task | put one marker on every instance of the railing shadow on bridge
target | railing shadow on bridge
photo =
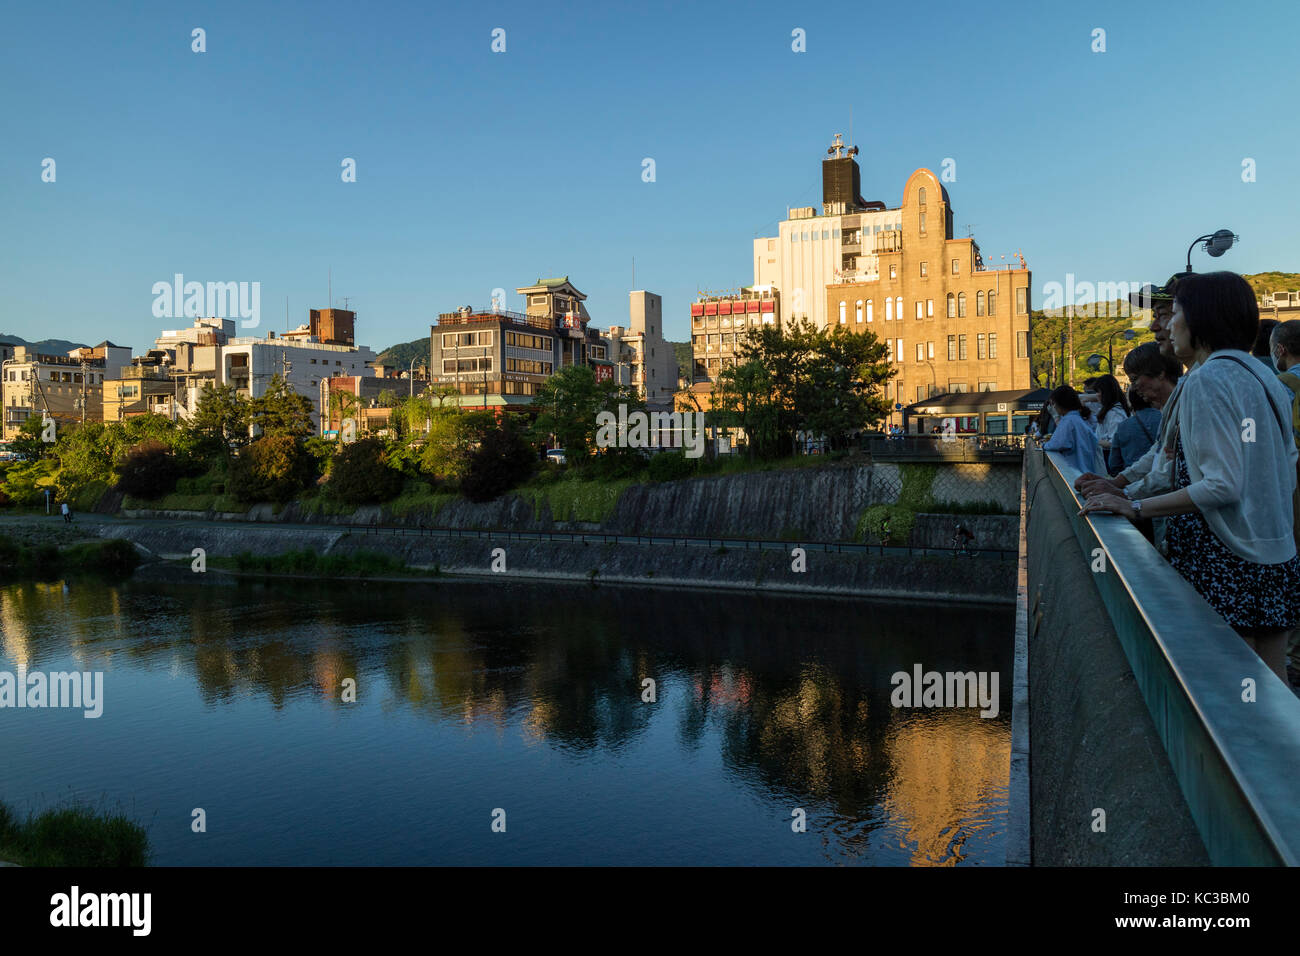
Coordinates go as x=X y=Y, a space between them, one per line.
x=1236 y=762
x=972 y=448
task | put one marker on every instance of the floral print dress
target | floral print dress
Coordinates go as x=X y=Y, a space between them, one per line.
x=1246 y=595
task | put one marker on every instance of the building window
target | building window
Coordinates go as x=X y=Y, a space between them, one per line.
x=843 y=310
x=958 y=387
x=993 y=345
x=979 y=303
x=859 y=312
x=920 y=393
x=961 y=348
x=920 y=351
x=889 y=310
x=1022 y=300
x=1022 y=344
x=952 y=348
x=929 y=350
x=961 y=305
x=923 y=266
x=893 y=271
x=920 y=196
x=988 y=386
x=920 y=309
x=952 y=306
x=992 y=308
x=898 y=349
x=929 y=308
x=923 y=224
x=954 y=266
x=869 y=310
x=898 y=307
x=979 y=346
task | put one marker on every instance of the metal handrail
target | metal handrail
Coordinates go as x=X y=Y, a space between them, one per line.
x=1237 y=763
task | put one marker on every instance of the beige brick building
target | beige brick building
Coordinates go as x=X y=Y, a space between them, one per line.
x=952 y=324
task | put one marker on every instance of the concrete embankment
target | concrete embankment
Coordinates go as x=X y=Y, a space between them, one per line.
x=951 y=580
x=1094 y=745
x=822 y=503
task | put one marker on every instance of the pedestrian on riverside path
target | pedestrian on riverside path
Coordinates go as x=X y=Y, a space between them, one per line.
x=1228 y=497
x=884 y=531
x=67 y=513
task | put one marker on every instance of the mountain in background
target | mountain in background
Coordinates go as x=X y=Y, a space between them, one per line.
x=44 y=346
x=400 y=355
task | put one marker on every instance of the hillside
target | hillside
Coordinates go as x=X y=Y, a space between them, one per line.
x=1094 y=323
x=400 y=355
x=44 y=346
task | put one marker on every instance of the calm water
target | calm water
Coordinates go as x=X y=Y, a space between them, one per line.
x=226 y=695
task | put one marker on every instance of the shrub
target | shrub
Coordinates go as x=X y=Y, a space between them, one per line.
x=272 y=469
x=361 y=474
x=670 y=466
x=502 y=461
x=73 y=836
x=149 y=471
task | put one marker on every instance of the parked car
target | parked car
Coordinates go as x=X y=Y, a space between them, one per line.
x=556 y=455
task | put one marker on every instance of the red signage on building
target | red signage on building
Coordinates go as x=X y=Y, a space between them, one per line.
x=604 y=372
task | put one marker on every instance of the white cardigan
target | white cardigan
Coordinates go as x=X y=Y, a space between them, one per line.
x=1241 y=464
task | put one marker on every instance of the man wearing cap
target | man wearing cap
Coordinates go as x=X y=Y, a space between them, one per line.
x=1160 y=300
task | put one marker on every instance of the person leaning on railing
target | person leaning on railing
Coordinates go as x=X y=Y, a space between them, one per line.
x=1225 y=471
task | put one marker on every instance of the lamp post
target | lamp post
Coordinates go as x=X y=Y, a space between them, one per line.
x=1216 y=244
x=1129 y=335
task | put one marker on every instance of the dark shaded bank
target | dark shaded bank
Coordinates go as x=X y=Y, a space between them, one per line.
x=1094 y=745
x=20 y=560
x=951 y=580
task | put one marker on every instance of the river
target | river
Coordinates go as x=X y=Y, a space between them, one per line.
x=520 y=703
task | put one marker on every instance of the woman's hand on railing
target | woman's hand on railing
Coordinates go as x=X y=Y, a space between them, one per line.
x=1109 y=504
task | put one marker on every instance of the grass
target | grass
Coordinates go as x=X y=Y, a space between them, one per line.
x=358 y=564
x=114 y=557
x=72 y=835
x=419 y=497
x=180 y=501
x=572 y=499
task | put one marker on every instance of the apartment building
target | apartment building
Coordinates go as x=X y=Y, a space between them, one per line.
x=639 y=354
x=497 y=358
x=68 y=388
x=952 y=323
x=721 y=321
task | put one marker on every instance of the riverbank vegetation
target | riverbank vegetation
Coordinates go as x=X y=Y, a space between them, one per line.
x=20 y=560
x=790 y=385
x=72 y=835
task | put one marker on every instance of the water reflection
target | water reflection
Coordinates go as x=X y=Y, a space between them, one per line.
x=772 y=703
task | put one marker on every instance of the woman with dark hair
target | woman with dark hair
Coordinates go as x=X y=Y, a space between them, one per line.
x=1113 y=411
x=1228 y=469
x=1135 y=435
x=1074 y=437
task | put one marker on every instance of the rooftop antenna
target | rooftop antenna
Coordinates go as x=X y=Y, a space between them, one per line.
x=969 y=228
x=286 y=313
x=634 y=273
x=329 y=304
x=345 y=303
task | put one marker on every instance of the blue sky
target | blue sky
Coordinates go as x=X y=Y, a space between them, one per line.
x=478 y=170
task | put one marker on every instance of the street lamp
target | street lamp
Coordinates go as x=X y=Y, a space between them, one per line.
x=1094 y=362
x=1129 y=334
x=1216 y=244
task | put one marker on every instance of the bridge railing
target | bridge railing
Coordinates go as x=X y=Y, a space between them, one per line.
x=950 y=448
x=1236 y=756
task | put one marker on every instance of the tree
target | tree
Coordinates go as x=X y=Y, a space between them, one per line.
x=281 y=411
x=273 y=468
x=221 y=416
x=30 y=443
x=567 y=404
x=743 y=398
x=842 y=391
x=361 y=475
x=149 y=471
x=501 y=460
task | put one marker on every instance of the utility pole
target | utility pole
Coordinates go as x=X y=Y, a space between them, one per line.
x=1070 y=366
x=85 y=372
